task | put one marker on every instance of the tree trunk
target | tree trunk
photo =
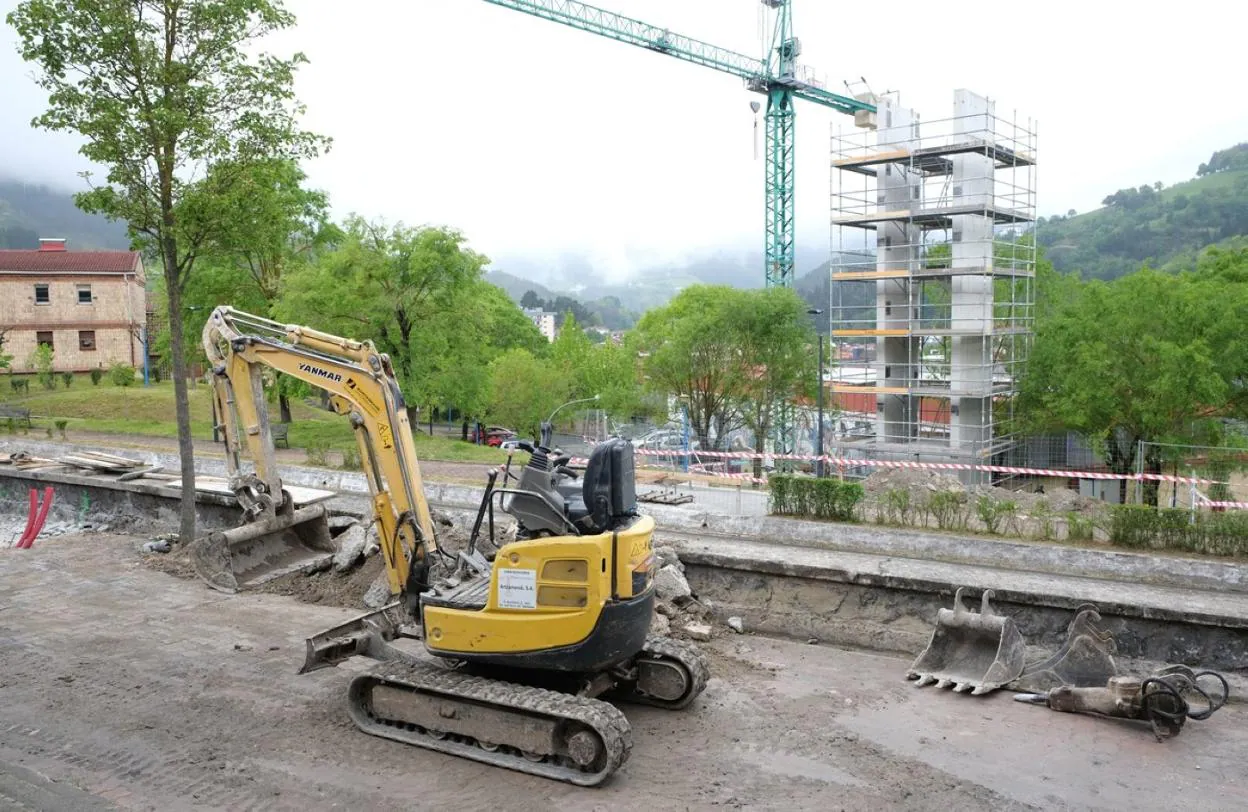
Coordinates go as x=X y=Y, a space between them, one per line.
x=186 y=448
x=465 y=430
x=760 y=447
x=283 y=405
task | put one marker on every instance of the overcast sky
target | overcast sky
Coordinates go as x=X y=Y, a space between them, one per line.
x=543 y=143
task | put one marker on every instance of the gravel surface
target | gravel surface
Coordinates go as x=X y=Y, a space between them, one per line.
x=126 y=686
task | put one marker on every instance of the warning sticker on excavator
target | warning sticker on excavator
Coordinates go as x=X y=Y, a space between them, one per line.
x=517 y=589
x=384 y=435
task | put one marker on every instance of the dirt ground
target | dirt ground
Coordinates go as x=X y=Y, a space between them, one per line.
x=126 y=687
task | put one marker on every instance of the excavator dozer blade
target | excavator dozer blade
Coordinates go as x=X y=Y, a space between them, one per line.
x=367 y=635
x=1085 y=660
x=259 y=551
x=969 y=651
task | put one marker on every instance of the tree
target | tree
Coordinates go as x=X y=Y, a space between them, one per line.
x=524 y=390
x=777 y=354
x=40 y=361
x=393 y=284
x=531 y=300
x=272 y=222
x=691 y=353
x=1149 y=357
x=457 y=344
x=164 y=94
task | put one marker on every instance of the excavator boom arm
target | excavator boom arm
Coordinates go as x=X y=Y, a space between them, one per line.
x=361 y=385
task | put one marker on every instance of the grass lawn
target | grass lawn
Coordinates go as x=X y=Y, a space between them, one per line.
x=149 y=411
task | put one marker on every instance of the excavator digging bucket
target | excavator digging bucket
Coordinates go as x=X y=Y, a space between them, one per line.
x=1085 y=660
x=976 y=652
x=259 y=551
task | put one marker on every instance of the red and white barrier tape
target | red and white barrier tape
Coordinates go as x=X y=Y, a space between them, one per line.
x=1204 y=501
x=847 y=462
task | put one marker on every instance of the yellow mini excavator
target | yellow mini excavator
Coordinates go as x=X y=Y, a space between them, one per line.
x=529 y=636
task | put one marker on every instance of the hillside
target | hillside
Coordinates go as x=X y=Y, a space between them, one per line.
x=1154 y=224
x=30 y=211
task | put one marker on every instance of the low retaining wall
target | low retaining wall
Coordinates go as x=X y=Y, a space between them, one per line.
x=856 y=586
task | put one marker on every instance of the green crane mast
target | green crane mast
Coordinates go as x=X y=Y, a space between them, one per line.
x=776 y=78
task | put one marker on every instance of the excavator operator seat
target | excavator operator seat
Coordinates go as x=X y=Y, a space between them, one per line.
x=609 y=490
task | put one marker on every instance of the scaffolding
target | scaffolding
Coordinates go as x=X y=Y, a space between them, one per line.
x=932 y=280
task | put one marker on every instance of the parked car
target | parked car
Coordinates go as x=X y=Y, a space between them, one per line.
x=492 y=435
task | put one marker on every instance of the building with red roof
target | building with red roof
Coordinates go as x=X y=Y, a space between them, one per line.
x=90 y=306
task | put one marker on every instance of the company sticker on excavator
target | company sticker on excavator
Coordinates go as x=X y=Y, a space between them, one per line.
x=363 y=397
x=384 y=436
x=517 y=589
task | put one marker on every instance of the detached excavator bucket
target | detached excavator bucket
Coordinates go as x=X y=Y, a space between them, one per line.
x=259 y=551
x=976 y=652
x=1085 y=660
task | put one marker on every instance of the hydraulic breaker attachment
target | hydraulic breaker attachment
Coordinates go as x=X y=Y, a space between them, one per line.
x=261 y=550
x=1164 y=700
x=976 y=652
x=1085 y=660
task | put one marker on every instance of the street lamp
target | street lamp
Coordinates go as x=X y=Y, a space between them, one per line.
x=548 y=427
x=814 y=311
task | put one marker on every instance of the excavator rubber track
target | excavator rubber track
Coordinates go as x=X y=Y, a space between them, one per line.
x=532 y=730
x=666 y=653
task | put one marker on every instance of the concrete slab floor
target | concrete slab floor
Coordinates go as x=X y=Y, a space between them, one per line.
x=149 y=692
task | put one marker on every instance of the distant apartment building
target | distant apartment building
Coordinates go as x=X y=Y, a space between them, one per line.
x=544 y=321
x=89 y=306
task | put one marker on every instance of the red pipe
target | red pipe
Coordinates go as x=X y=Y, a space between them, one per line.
x=33 y=533
x=30 y=518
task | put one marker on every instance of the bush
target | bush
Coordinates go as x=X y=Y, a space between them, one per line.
x=20 y=385
x=816 y=498
x=350 y=459
x=68 y=378
x=120 y=374
x=10 y=425
x=1147 y=528
x=949 y=508
x=41 y=360
x=896 y=506
x=60 y=426
x=96 y=375
x=996 y=515
x=1078 y=528
x=316 y=451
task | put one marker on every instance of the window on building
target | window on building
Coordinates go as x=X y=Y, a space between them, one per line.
x=84 y=294
x=41 y=295
x=44 y=337
x=86 y=339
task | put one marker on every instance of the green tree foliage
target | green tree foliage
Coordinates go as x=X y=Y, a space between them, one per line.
x=607 y=370
x=1152 y=223
x=691 y=352
x=413 y=291
x=166 y=97
x=777 y=353
x=1235 y=157
x=524 y=389
x=1150 y=356
x=458 y=343
x=41 y=360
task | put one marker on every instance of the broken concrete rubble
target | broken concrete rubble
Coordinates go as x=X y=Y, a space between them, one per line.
x=351 y=544
x=697 y=631
x=670 y=584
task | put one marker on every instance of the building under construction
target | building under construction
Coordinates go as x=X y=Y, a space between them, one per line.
x=933 y=281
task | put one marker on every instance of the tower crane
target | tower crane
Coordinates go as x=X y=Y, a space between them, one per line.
x=775 y=77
